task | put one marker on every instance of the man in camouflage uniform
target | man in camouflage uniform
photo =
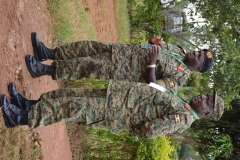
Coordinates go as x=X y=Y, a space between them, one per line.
x=93 y=59
x=124 y=106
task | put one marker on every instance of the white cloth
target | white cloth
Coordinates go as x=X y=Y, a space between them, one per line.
x=158 y=87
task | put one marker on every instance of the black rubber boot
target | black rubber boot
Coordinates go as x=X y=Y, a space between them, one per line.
x=41 y=52
x=13 y=116
x=18 y=99
x=38 y=69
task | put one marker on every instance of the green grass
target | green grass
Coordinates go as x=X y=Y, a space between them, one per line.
x=122 y=20
x=71 y=22
x=16 y=143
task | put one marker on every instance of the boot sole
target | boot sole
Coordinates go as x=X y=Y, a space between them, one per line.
x=28 y=66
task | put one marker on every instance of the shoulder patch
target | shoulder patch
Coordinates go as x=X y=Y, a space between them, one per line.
x=187 y=107
x=181 y=68
x=171 y=83
x=209 y=55
x=177 y=118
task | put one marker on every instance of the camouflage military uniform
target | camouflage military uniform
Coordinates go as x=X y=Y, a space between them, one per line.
x=92 y=59
x=124 y=106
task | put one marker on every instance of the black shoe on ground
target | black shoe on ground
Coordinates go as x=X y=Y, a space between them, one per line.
x=38 y=69
x=17 y=98
x=13 y=116
x=41 y=52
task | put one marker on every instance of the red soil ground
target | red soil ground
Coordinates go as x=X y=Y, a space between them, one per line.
x=18 y=19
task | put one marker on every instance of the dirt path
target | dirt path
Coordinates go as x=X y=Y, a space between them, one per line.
x=18 y=19
x=104 y=20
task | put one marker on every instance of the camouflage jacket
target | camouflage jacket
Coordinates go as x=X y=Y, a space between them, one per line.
x=129 y=62
x=143 y=110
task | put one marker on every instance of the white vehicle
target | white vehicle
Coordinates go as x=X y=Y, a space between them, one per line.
x=167 y=3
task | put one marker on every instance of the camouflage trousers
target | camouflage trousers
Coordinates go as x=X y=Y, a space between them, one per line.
x=83 y=59
x=85 y=106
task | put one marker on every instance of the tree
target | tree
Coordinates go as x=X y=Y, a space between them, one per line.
x=144 y=17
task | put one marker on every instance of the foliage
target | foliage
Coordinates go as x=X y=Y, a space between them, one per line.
x=16 y=143
x=89 y=143
x=105 y=145
x=204 y=136
x=177 y=148
x=214 y=143
x=122 y=20
x=187 y=152
x=144 y=18
x=155 y=149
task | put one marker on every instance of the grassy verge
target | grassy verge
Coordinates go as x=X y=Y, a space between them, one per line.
x=19 y=143
x=71 y=21
x=88 y=143
x=122 y=20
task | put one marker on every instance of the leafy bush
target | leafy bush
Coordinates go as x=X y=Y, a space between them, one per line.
x=157 y=148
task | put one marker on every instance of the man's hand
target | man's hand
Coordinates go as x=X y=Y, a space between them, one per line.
x=157 y=40
x=153 y=54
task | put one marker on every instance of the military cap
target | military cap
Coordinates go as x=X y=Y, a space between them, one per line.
x=218 y=107
x=208 y=61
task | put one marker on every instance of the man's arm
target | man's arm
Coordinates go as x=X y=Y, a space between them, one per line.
x=151 y=67
x=169 y=83
x=160 y=127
